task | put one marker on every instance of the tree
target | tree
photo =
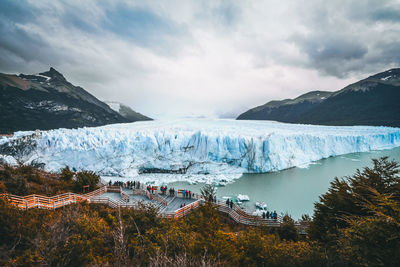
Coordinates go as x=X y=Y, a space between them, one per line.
x=288 y=230
x=66 y=174
x=208 y=192
x=86 y=178
x=374 y=239
x=343 y=197
x=357 y=220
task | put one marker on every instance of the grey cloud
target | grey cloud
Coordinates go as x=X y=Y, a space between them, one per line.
x=208 y=56
x=332 y=55
x=344 y=36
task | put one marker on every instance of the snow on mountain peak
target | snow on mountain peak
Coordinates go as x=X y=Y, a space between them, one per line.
x=113 y=105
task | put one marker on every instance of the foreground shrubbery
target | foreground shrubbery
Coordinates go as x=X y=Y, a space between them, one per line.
x=83 y=235
x=358 y=219
x=356 y=223
x=25 y=180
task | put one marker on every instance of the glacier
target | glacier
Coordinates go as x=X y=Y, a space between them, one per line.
x=191 y=149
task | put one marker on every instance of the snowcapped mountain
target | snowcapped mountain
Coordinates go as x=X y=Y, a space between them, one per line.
x=47 y=101
x=126 y=111
x=371 y=101
x=209 y=149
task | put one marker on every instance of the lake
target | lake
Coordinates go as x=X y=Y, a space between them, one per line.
x=294 y=191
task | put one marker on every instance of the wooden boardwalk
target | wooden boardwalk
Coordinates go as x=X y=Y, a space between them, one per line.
x=175 y=206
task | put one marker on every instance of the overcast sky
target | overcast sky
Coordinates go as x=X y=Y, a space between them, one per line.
x=194 y=58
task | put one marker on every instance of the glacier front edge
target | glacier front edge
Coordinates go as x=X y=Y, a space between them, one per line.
x=214 y=148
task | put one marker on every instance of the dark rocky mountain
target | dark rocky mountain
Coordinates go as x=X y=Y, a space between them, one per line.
x=126 y=111
x=371 y=101
x=47 y=101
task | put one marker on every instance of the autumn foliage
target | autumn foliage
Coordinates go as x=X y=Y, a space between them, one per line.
x=356 y=223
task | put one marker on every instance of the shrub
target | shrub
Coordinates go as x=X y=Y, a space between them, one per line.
x=66 y=174
x=86 y=178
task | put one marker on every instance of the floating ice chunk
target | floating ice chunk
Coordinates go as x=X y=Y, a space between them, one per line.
x=241 y=197
x=261 y=205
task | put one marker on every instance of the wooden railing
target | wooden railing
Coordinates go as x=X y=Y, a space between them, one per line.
x=54 y=202
x=112 y=203
x=97 y=192
x=236 y=213
x=160 y=200
x=118 y=189
x=241 y=216
x=124 y=196
x=43 y=202
x=185 y=210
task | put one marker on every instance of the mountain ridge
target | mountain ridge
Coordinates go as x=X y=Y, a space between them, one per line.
x=126 y=111
x=370 y=101
x=47 y=101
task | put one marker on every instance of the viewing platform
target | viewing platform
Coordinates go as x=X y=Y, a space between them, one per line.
x=174 y=205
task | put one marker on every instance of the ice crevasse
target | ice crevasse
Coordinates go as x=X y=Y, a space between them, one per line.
x=205 y=147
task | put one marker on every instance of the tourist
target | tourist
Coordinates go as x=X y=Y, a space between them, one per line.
x=215 y=199
x=227 y=202
x=263 y=215
x=190 y=194
x=231 y=204
x=267 y=214
x=152 y=189
x=109 y=183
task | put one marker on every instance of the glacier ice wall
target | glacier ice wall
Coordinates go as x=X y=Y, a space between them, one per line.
x=192 y=146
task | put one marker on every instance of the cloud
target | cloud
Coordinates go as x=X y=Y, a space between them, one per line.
x=189 y=58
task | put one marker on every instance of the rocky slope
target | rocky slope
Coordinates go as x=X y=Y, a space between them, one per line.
x=371 y=101
x=47 y=101
x=126 y=111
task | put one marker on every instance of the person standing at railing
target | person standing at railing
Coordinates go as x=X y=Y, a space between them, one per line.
x=231 y=204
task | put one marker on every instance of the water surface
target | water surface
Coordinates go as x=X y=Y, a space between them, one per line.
x=295 y=190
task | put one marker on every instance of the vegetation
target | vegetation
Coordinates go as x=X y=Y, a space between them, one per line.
x=26 y=180
x=356 y=223
x=358 y=219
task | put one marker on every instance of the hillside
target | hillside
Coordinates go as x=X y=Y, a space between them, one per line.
x=127 y=112
x=48 y=101
x=371 y=101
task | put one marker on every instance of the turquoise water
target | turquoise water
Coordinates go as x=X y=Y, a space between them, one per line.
x=294 y=191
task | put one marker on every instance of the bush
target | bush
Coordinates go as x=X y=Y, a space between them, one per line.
x=17 y=185
x=86 y=178
x=288 y=230
x=358 y=219
x=66 y=174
